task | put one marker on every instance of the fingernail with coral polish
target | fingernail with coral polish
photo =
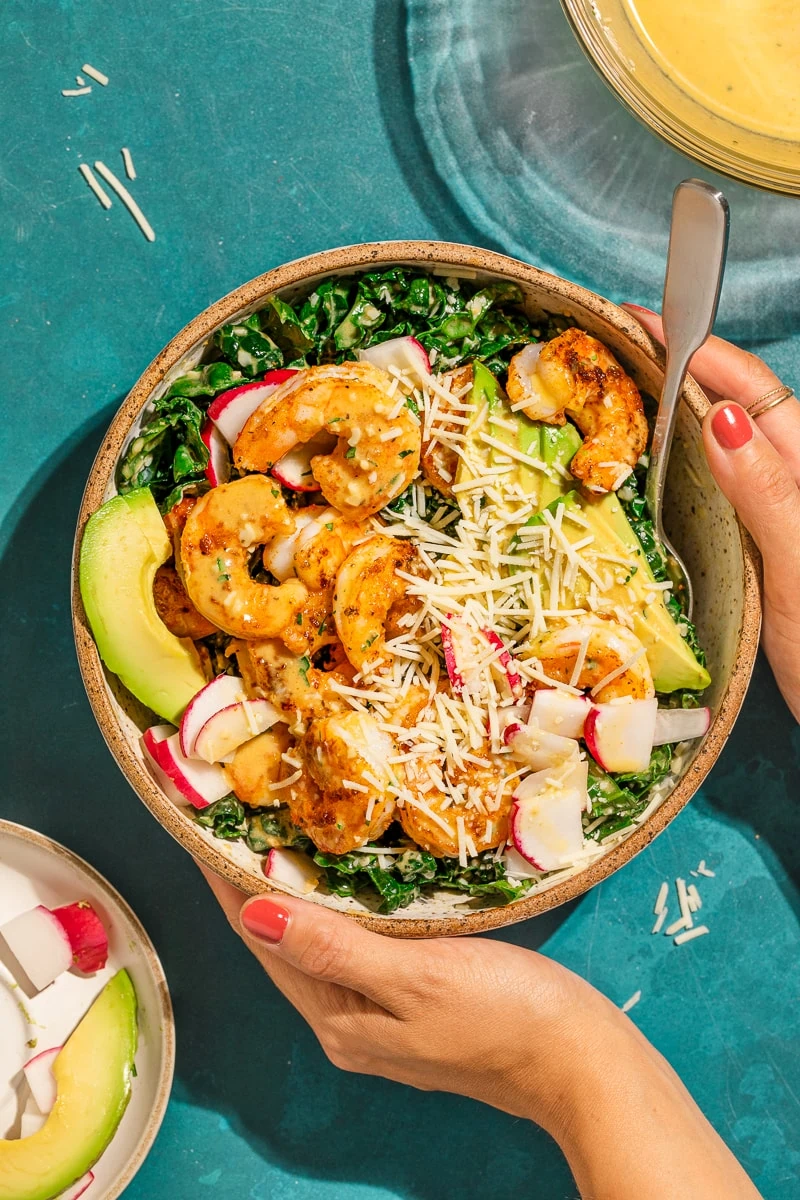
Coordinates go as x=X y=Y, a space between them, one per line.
x=265 y=919
x=640 y=308
x=732 y=427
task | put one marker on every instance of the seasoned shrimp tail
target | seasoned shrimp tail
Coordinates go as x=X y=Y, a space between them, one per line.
x=345 y=797
x=589 y=651
x=221 y=533
x=577 y=376
x=377 y=448
x=301 y=691
x=367 y=588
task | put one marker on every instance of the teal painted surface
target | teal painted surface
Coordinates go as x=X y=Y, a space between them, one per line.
x=261 y=132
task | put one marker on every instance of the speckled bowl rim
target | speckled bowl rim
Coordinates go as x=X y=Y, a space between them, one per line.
x=352 y=258
x=166 y=1018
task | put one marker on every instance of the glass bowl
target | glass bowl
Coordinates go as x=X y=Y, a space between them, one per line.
x=607 y=35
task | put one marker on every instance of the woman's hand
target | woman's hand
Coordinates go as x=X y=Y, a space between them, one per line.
x=757 y=465
x=502 y=1025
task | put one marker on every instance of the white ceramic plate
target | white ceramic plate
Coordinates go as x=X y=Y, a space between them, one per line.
x=35 y=870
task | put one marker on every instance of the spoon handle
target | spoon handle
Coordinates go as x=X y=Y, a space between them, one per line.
x=698 y=243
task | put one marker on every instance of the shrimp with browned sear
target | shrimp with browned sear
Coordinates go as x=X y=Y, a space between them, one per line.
x=576 y=376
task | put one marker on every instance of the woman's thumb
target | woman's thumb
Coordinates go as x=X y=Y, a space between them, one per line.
x=323 y=945
x=756 y=480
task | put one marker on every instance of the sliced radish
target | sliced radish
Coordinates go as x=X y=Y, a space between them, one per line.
x=405 y=354
x=40 y=945
x=231 y=727
x=293 y=869
x=539 y=748
x=465 y=649
x=680 y=724
x=450 y=660
x=560 y=712
x=196 y=782
x=87 y=936
x=220 y=693
x=545 y=825
x=506 y=661
x=620 y=736
x=294 y=469
x=515 y=714
x=230 y=411
x=78 y=1188
x=41 y=1080
x=517 y=866
x=218 y=469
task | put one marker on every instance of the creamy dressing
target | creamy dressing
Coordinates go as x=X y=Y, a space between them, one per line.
x=740 y=59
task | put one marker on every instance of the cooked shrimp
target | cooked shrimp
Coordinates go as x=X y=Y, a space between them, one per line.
x=175 y=608
x=438 y=461
x=343 y=800
x=223 y=529
x=257 y=764
x=315 y=549
x=367 y=587
x=605 y=647
x=313 y=552
x=375 y=457
x=482 y=802
x=576 y=375
x=297 y=688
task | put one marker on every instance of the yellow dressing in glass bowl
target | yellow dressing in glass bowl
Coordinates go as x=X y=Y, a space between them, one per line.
x=719 y=79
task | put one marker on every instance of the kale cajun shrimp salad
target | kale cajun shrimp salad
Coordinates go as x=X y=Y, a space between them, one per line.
x=381 y=566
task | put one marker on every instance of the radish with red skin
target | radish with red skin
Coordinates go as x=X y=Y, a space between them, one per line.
x=39 y=942
x=545 y=823
x=153 y=740
x=539 y=748
x=293 y=471
x=506 y=661
x=560 y=712
x=231 y=410
x=78 y=1188
x=405 y=354
x=464 y=648
x=228 y=729
x=87 y=935
x=197 y=783
x=680 y=724
x=41 y=1081
x=297 y=871
x=518 y=867
x=620 y=736
x=218 y=468
x=449 y=650
x=219 y=694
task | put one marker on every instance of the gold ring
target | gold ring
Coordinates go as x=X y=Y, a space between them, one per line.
x=769 y=400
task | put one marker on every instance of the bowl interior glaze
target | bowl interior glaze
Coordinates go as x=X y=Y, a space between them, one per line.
x=703 y=526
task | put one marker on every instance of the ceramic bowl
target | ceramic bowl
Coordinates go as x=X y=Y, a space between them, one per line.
x=699 y=520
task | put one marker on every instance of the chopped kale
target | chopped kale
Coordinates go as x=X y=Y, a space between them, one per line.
x=225 y=817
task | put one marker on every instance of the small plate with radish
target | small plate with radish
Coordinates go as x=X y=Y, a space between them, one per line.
x=76 y=970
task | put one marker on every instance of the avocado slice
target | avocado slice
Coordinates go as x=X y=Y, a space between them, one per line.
x=124 y=543
x=93 y=1078
x=671 y=660
x=491 y=407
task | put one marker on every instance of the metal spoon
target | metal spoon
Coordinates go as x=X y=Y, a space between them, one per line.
x=698 y=243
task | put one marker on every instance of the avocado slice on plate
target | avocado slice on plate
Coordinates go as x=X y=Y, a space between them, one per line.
x=124 y=543
x=93 y=1078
